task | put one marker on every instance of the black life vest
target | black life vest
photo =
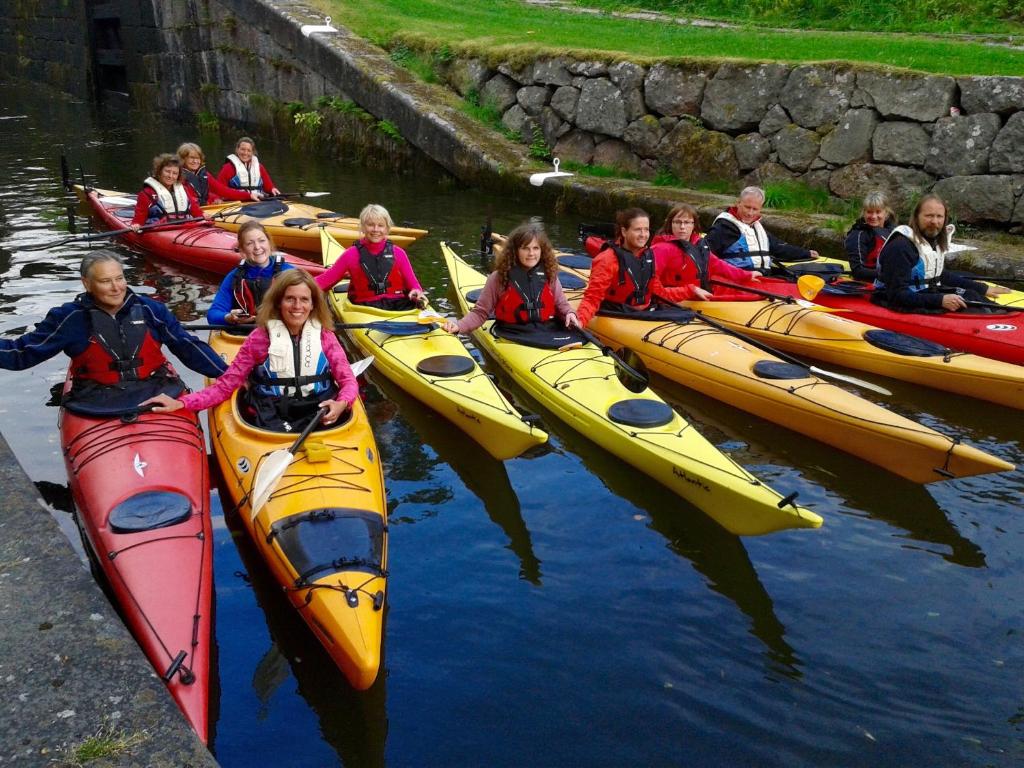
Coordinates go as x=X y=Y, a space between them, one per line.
x=382 y=277
x=248 y=292
x=121 y=348
x=635 y=275
x=200 y=181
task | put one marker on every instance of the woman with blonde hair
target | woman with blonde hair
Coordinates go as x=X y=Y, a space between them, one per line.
x=292 y=362
x=868 y=234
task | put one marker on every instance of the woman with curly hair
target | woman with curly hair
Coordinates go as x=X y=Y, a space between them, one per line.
x=523 y=289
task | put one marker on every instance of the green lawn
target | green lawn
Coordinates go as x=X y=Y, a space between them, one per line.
x=511 y=29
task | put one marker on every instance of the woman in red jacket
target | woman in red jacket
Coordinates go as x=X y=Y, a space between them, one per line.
x=164 y=196
x=242 y=170
x=207 y=187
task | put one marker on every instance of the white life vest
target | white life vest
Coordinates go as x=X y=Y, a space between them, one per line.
x=752 y=245
x=931 y=260
x=246 y=177
x=280 y=363
x=172 y=203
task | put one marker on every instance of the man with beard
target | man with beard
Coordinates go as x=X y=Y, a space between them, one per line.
x=910 y=265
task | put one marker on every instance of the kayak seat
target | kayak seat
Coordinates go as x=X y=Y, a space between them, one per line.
x=473 y=296
x=324 y=541
x=330 y=215
x=902 y=344
x=774 y=369
x=263 y=209
x=341 y=287
x=149 y=510
x=571 y=282
x=641 y=413
x=298 y=222
x=446 y=365
x=826 y=269
x=575 y=261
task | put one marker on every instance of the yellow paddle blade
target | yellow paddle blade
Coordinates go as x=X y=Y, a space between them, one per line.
x=809 y=286
x=428 y=316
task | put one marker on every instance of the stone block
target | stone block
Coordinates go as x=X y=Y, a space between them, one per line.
x=468 y=76
x=775 y=120
x=752 y=149
x=533 y=98
x=633 y=102
x=797 y=147
x=551 y=72
x=499 y=92
x=627 y=75
x=615 y=153
x=1007 y=155
x=1002 y=95
x=553 y=126
x=978 y=198
x=851 y=138
x=588 y=68
x=674 y=91
x=900 y=184
x=601 y=108
x=577 y=146
x=695 y=153
x=817 y=95
x=960 y=145
x=644 y=135
x=900 y=143
x=739 y=95
x=522 y=75
x=564 y=101
x=923 y=98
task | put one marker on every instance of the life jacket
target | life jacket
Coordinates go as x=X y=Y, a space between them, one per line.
x=121 y=348
x=527 y=298
x=635 y=275
x=926 y=274
x=200 y=181
x=294 y=371
x=246 y=177
x=382 y=276
x=170 y=204
x=751 y=249
x=248 y=292
x=696 y=255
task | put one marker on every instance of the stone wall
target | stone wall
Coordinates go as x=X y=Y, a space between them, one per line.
x=834 y=126
x=46 y=41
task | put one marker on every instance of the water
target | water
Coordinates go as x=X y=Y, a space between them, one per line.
x=560 y=609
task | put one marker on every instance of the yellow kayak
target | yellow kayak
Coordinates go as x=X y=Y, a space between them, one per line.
x=579 y=386
x=296 y=226
x=436 y=369
x=323 y=532
x=726 y=368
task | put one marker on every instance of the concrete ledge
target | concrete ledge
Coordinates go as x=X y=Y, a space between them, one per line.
x=69 y=669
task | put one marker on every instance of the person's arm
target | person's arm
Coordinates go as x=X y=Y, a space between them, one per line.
x=409 y=281
x=721 y=236
x=602 y=272
x=895 y=269
x=193 y=352
x=224 y=192
x=224 y=301
x=954 y=279
x=143 y=201
x=226 y=173
x=481 y=311
x=337 y=271
x=563 y=309
x=858 y=245
x=785 y=252
x=50 y=336
x=723 y=270
x=252 y=352
x=348 y=387
x=675 y=293
x=268 y=183
x=194 y=209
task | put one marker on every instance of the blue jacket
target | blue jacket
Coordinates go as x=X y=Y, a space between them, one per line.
x=68 y=329
x=224 y=301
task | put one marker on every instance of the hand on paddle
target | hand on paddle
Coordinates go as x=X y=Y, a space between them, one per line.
x=163 y=404
x=571 y=321
x=700 y=294
x=450 y=325
x=238 y=317
x=996 y=290
x=333 y=410
x=953 y=303
x=418 y=297
x=755 y=275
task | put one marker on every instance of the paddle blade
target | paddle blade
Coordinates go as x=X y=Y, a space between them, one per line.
x=631 y=371
x=428 y=316
x=809 y=286
x=360 y=366
x=267 y=477
x=850 y=380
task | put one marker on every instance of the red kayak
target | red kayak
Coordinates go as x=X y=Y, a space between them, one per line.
x=200 y=245
x=142 y=490
x=998 y=334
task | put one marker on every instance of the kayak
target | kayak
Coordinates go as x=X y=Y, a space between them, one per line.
x=323 y=531
x=998 y=335
x=722 y=366
x=812 y=330
x=580 y=387
x=141 y=488
x=436 y=368
x=296 y=226
x=199 y=245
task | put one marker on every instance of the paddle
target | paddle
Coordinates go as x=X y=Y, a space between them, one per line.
x=810 y=285
x=273 y=468
x=789 y=358
x=391 y=327
x=279 y=195
x=778 y=296
x=110 y=233
x=631 y=378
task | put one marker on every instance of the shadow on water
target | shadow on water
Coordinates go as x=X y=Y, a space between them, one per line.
x=713 y=552
x=864 y=489
x=482 y=474
x=353 y=722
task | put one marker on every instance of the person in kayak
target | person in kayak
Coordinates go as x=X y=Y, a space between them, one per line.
x=911 y=274
x=868 y=234
x=242 y=170
x=523 y=291
x=379 y=271
x=241 y=292
x=164 y=196
x=682 y=256
x=623 y=277
x=738 y=236
x=292 y=363
x=114 y=338
x=207 y=187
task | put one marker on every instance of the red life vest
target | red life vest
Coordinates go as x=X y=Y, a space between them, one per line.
x=635 y=275
x=378 y=275
x=871 y=258
x=121 y=348
x=527 y=298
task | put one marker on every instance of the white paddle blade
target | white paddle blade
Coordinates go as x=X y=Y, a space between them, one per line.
x=360 y=366
x=267 y=477
x=851 y=380
x=315 y=194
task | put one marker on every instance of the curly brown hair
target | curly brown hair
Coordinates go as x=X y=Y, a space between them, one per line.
x=521 y=236
x=162 y=161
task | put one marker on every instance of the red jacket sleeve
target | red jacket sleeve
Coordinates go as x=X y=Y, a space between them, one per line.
x=268 y=183
x=227 y=171
x=143 y=201
x=602 y=272
x=194 y=208
x=221 y=190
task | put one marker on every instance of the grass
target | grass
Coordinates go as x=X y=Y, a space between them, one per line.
x=997 y=17
x=598 y=171
x=514 y=31
x=105 y=743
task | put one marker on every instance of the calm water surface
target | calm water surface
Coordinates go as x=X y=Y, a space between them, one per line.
x=558 y=609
